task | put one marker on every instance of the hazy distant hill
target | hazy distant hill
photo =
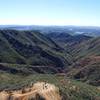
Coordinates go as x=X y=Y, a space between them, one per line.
x=88 y=48
x=73 y=30
x=67 y=38
x=67 y=41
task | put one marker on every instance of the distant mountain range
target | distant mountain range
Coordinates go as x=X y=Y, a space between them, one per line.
x=73 y=30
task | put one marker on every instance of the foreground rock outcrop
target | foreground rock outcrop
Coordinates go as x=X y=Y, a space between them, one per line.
x=38 y=91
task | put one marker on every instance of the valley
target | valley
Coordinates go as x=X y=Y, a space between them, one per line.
x=69 y=62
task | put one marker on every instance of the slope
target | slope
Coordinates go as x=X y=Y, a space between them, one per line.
x=31 y=47
x=87 y=65
x=68 y=41
x=88 y=48
x=36 y=91
x=69 y=89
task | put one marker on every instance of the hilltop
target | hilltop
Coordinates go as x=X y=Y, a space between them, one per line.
x=38 y=91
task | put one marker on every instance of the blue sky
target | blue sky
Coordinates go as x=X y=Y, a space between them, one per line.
x=50 y=12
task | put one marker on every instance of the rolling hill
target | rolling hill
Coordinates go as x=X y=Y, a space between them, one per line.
x=68 y=41
x=70 y=62
x=87 y=64
x=69 y=89
x=31 y=48
x=88 y=48
x=85 y=51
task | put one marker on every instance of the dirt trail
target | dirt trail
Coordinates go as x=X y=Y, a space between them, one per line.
x=43 y=89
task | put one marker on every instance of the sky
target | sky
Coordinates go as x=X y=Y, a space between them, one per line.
x=50 y=12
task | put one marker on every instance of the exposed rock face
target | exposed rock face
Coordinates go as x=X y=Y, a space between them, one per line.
x=4 y=96
x=38 y=91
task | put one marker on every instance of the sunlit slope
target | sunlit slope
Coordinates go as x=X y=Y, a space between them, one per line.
x=38 y=90
x=69 y=89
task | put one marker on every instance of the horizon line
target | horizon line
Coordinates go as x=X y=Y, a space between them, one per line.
x=48 y=25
